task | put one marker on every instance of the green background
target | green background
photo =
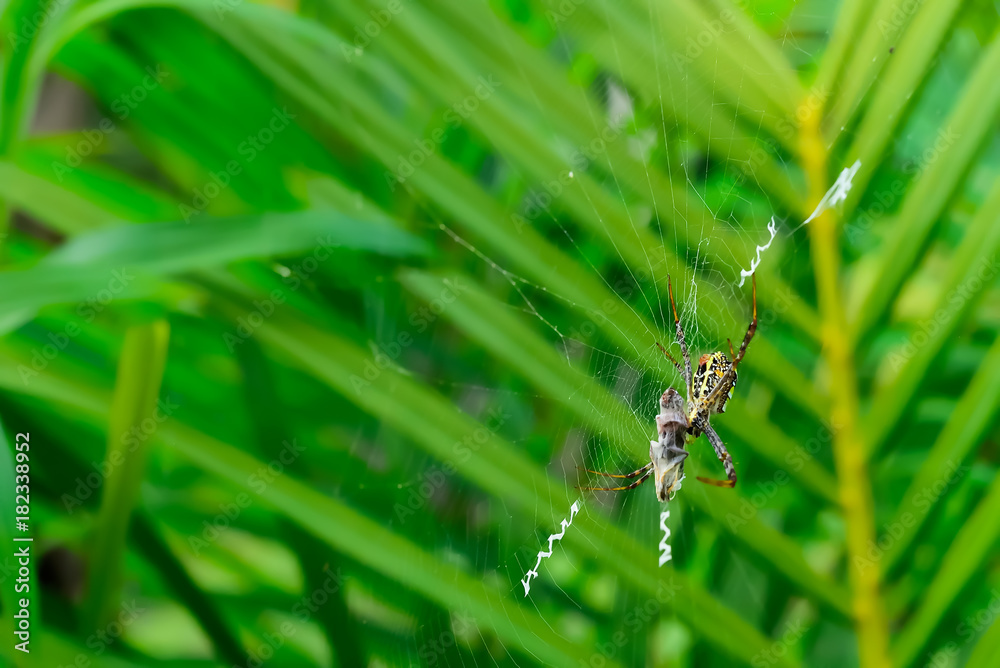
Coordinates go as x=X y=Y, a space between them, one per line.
x=313 y=312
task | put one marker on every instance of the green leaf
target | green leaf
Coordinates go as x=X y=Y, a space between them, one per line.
x=147 y=540
x=623 y=43
x=972 y=118
x=541 y=155
x=968 y=424
x=137 y=389
x=564 y=108
x=66 y=211
x=964 y=559
x=850 y=20
x=58 y=650
x=17 y=85
x=125 y=261
x=869 y=53
x=972 y=263
x=173 y=247
x=987 y=650
x=908 y=68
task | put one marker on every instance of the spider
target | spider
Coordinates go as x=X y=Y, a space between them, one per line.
x=708 y=390
x=666 y=455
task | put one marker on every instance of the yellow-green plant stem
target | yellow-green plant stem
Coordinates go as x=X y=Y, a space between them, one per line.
x=140 y=372
x=848 y=449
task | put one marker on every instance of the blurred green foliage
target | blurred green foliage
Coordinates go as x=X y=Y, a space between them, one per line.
x=312 y=312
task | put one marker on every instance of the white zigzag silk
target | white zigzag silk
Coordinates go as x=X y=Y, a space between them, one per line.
x=573 y=510
x=665 y=554
x=744 y=273
x=837 y=192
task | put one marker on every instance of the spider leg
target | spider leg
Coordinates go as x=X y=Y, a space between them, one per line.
x=752 y=329
x=680 y=339
x=727 y=378
x=732 y=355
x=671 y=358
x=613 y=475
x=620 y=489
x=721 y=453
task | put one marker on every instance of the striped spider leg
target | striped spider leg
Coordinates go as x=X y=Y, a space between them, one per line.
x=710 y=387
x=686 y=370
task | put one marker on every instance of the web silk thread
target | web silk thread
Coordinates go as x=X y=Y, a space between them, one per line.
x=573 y=510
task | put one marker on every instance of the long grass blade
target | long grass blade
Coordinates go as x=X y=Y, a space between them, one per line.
x=972 y=265
x=125 y=260
x=140 y=371
x=850 y=21
x=964 y=559
x=889 y=20
x=987 y=649
x=968 y=424
x=973 y=116
x=147 y=541
x=906 y=71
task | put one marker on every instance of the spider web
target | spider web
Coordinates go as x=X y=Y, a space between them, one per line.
x=740 y=212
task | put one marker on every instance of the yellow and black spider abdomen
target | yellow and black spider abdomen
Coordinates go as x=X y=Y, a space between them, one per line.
x=711 y=368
